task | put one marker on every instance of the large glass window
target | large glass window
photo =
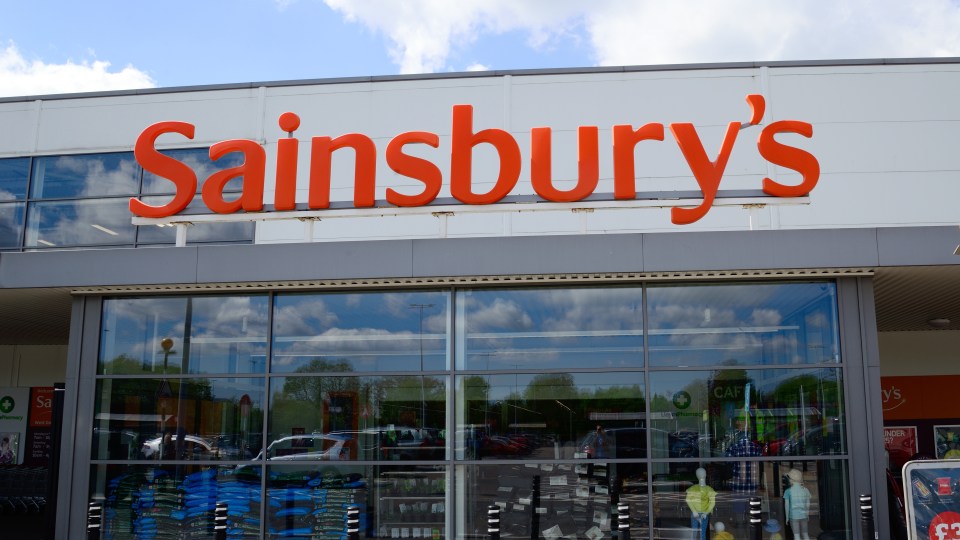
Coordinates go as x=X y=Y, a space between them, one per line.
x=199 y=160
x=425 y=408
x=550 y=328
x=178 y=419
x=79 y=223
x=743 y=324
x=364 y=418
x=85 y=175
x=11 y=224
x=391 y=331
x=757 y=412
x=13 y=178
x=212 y=334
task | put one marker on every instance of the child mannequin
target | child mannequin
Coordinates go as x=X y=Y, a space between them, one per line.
x=701 y=499
x=720 y=532
x=797 y=502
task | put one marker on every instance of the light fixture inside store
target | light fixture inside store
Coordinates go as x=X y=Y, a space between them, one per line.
x=44 y=242
x=104 y=229
x=939 y=322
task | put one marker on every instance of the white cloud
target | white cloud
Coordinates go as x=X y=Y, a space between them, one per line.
x=477 y=67
x=423 y=33
x=22 y=77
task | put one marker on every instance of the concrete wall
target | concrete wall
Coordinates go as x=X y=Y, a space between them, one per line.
x=919 y=353
x=32 y=365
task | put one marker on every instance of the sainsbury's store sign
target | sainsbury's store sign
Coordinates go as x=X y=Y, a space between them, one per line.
x=707 y=172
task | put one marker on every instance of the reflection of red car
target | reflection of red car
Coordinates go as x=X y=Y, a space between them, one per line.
x=497 y=446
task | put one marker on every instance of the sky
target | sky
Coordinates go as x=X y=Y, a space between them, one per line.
x=64 y=46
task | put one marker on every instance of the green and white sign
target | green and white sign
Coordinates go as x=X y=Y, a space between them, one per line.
x=14 y=410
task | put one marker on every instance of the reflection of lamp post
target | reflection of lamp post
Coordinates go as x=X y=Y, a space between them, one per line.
x=423 y=400
x=164 y=393
x=167 y=345
x=570 y=414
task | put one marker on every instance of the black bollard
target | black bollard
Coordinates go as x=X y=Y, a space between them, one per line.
x=493 y=522
x=535 y=504
x=756 y=521
x=623 y=520
x=614 y=521
x=866 y=517
x=353 y=522
x=94 y=520
x=220 y=521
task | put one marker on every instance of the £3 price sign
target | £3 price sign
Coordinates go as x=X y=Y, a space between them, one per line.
x=946 y=526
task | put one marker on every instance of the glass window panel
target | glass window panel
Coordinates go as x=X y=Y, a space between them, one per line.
x=557 y=500
x=742 y=324
x=11 y=224
x=809 y=496
x=13 y=178
x=384 y=331
x=178 y=419
x=309 y=500
x=792 y=412
x=551 y=415
x=146 y=501
x=551 y=328
x=89 y=175
x=365 y=418
x=197 y=233
x=79 y=223
x=227 y=334
x=199 y=160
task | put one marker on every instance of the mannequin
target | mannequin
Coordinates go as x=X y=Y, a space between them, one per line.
x=701 y=499
x=720 y=532
x=796 y=499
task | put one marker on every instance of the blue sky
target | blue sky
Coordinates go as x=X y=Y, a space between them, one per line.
x=68 y=46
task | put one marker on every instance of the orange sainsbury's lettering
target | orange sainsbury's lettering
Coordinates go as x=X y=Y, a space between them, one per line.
x=164 y=166
x=787 y=156
x=463 y=140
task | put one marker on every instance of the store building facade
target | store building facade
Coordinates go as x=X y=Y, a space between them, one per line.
x=648 y=305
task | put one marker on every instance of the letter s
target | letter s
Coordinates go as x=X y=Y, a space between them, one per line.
x=790 y=157
x=164 y=166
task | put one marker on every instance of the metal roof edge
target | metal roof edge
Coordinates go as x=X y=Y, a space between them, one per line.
x=484 y=74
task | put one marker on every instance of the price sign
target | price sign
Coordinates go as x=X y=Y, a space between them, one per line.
x=945 y=526
x=933 y=508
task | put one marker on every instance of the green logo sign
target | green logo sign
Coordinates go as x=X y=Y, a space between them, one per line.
x=681 y=400
x=7 y=404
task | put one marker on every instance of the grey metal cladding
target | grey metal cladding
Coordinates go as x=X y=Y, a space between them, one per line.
x=528 y=255
x=760 y=250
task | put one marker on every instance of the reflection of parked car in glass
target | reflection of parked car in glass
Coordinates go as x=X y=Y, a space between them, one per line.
x=397 y=443
x=169 y=447
x=324 y=447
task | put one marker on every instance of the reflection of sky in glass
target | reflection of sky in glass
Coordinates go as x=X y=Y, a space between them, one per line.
x=13 y=178
x=361 y=331
x=77 y=223
x=90 y=175
x=228 y=334
x=709 y=403
x=11 y=224
x=580 y=327
x=743 y=324
x=199 y=160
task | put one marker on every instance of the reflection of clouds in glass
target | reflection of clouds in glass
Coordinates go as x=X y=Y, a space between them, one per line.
x=229 y=317
x=6 y=195
x=65 y=224
x=498 y=315
x=732 y=296
x=302 y=317
x=766 y=317
x=818 y=320
x=686 y=316
x=96 y=180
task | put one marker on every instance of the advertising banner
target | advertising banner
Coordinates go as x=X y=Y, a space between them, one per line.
x=932 y=497
x=900 y=443
x=14 y=409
